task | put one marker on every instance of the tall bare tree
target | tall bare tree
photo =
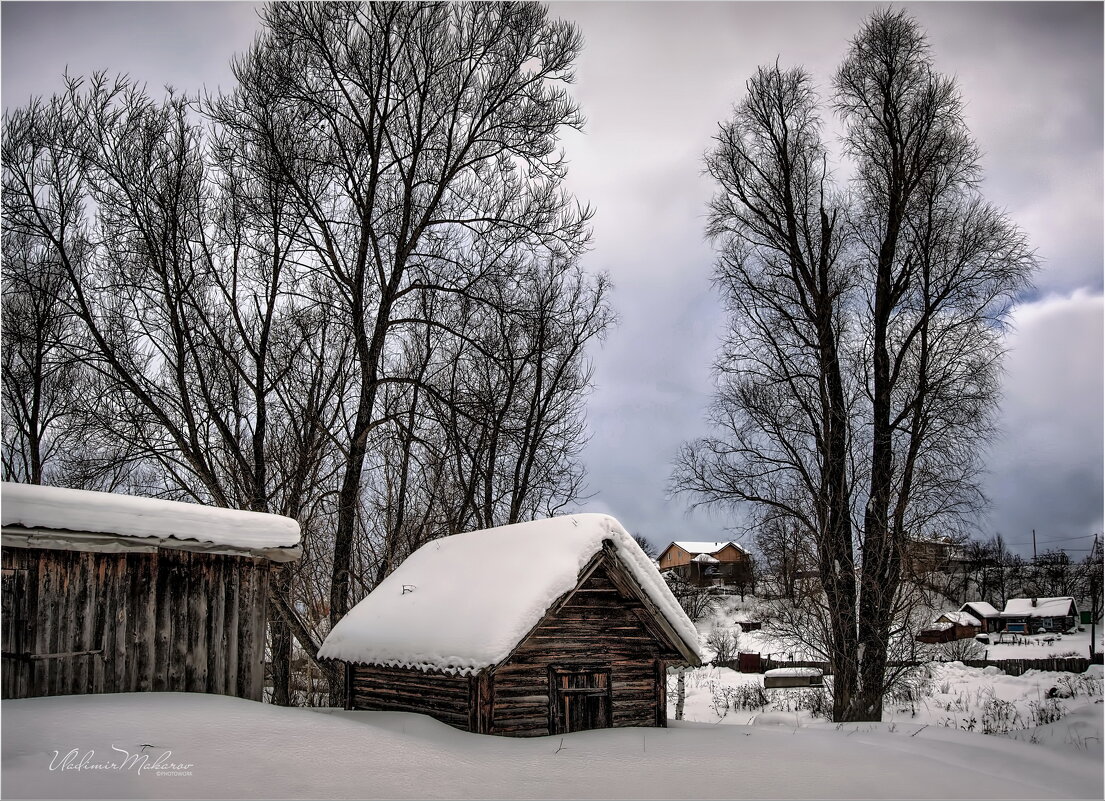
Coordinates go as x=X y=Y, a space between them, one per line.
x=405 y=133
x=857 y=411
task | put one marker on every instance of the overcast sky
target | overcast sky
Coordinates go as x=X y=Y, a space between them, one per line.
x=654 y=80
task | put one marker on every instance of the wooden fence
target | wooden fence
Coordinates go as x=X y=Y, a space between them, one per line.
x=1013 y=667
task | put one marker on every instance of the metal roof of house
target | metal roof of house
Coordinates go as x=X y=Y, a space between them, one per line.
x=706 y=547
x=1038 y=607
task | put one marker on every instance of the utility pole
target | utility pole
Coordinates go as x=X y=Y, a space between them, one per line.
x=1033 y=545
x=1095 y=608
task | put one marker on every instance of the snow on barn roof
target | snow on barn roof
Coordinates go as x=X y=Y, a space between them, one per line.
x=1043 y=607
x=983 y=608
x=462 y=603
x=962 y=618
x=706 y=547
x=38 y=516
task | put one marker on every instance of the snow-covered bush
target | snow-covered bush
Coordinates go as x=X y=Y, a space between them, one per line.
x=960 y=650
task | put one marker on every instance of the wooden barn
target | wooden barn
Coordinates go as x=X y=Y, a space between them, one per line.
x=546 y=627
x=951 y=626
x=707 y=564
x=113 y=593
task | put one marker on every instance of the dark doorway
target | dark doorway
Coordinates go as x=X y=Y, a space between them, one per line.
x=580 y=699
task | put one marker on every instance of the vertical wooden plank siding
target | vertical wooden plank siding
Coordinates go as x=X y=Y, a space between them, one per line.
x=216 y=655
x=180 y=621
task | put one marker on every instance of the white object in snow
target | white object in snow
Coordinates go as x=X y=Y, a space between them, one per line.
x=794 y=671
x=705 y=558
x=34 y=516
x=462 y=603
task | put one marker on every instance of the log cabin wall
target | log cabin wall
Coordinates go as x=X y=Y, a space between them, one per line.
x=445 y=697
x=171 y=620
x=600 y=628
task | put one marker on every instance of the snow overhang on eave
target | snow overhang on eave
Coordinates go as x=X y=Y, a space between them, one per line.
x=94 y=542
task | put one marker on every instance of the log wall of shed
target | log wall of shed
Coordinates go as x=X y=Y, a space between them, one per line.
x=598 y=626
x=443 y=696
x=169 y=621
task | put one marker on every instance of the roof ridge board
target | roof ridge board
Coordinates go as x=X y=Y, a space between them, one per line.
x=654 y=611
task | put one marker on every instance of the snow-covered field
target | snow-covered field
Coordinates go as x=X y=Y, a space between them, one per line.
x=203 y=746
x=1062 y=711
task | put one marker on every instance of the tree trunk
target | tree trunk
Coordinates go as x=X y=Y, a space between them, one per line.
x=280 y=639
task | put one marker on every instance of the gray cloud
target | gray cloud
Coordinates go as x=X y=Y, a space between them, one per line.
x=1045 y=472
x=654 y=80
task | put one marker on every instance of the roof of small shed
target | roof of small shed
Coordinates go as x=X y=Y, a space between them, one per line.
x=462 y=603
x=59 y=517
x=962 y=618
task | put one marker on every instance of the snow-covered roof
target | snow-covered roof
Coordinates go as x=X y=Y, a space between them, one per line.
x=1043 y=607
x=55 y=517
x=462 y=603
x=794 y=671
x=706 y=547
x=962 y=618
x=981 y=607
x=706 y=559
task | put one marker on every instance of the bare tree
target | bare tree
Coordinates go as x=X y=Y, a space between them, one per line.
x=860 y=374
x=40 y=374
x=650 y=550
x=406 y=132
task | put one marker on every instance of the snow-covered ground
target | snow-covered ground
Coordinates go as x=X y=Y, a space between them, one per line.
x=203 y=746
x=1063 y=711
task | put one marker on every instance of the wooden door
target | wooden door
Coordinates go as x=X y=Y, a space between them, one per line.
x=580 y=699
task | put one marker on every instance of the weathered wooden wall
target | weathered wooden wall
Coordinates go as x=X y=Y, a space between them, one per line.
x=78 y=622
x=598 y=626
x=446 y=697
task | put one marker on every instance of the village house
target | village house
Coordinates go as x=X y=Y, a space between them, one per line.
x=932 y=555
x=988 y=616
x=708 y=564
x=106 y=593
x=1033 y=615
x=537 y=628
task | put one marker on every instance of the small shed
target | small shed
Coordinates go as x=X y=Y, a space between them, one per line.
x=793 y=677
x=111 y=593
x=951 y=626
x=537 y=628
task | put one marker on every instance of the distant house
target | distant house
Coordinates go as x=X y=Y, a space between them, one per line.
x=932 y=555
x=107 y=593
x=708 y=564
x=537 y=628
x=1032 y=615
x=989 y=617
